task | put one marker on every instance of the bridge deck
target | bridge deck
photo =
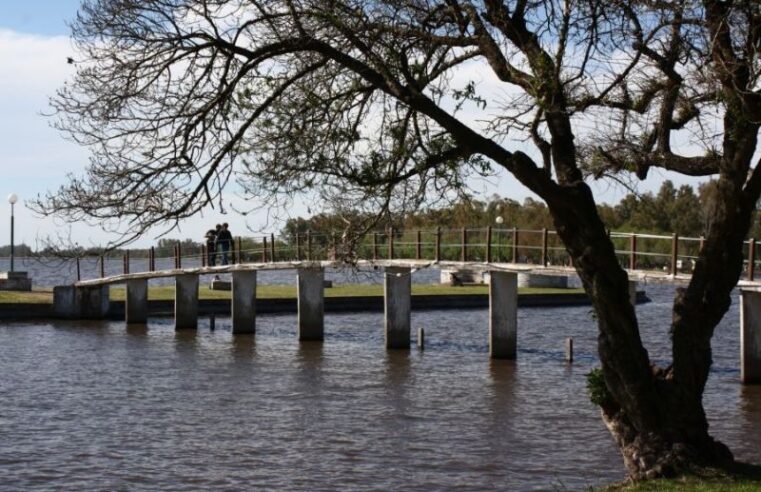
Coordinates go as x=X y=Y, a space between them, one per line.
x=638 y=275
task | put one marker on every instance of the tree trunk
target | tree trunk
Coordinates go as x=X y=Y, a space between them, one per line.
x=657 y=421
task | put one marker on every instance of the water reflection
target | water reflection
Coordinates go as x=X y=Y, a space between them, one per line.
x=243 y=347
x=137 y=330
x=107 y=407
x=185 y=340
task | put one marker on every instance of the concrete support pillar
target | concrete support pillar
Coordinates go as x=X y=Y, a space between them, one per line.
x=311 y=300
x=750 y=336
x=397 y=289
x=186 y=302
x=633 y=292
x=81 y=302
x=503 y=315
x=136 y=302
x=244 y=302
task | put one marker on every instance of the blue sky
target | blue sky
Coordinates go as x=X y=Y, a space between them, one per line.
x=34 y=158
x=45 y=17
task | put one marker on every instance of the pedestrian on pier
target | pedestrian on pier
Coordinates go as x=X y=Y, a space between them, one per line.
x=224 y=242
x=211 y=246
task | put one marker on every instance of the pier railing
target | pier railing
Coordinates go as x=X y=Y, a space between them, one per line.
x=665 y=254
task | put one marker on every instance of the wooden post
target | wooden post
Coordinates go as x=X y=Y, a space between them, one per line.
x=544 y=246
x=152 y=259
x=102 y=266
x=674 y=252
x=179 y=255
x=438 y=244
x=125 y=264
x=298 y=247
x=702 y=242
x=421 y=338
x=240 y=249
x=633 y=252
x=79 y=272
x=751 y=257
x=390 y=243
x=264 y=249
x=204 y=255
x=309 y=245
x=375 y=245
x=464 y=245
x=515 y=245
x=418 y=252
x=272 y=247
x=488 y=244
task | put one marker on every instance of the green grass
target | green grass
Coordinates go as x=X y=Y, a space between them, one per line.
x=742 y=478
x=346 y=290
x=41 y=296
x=277 y=292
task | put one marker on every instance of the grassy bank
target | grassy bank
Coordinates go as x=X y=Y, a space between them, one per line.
x=45 y=296
x=742 y=478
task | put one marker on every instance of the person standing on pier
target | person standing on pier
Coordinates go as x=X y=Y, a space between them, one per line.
x=224 y=242
x=211 y=244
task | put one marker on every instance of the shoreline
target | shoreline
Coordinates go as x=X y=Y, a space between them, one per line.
x=20 y=311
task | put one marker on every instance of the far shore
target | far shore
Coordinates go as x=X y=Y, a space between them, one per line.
x=166 y=293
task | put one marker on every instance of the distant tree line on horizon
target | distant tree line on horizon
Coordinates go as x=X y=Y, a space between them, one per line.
x=671 y=210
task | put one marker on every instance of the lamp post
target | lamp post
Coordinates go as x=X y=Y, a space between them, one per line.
x=12 y=199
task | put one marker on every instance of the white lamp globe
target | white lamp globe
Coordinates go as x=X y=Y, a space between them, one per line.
x=12 y=198
x=499 y=219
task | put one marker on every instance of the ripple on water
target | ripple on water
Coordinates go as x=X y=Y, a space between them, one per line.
x=101 y=406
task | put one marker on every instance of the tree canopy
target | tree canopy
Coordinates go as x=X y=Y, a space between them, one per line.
x=389 y=105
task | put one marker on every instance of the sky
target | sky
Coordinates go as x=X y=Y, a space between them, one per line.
x=35 y=158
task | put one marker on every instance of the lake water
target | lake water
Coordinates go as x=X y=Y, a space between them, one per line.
x=48 y=272
x=99 y=406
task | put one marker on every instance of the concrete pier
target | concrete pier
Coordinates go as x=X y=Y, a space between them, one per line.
x=397 y=292
x=186 y=302
x=311 y=303
x=81 y=302
x=136 y=303
x=244 y=302
x=503 y=315
x=750 y=336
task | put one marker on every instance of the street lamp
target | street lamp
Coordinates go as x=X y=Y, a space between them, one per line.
x=12 y=199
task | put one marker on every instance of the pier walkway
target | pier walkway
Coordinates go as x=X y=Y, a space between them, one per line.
x=502 y=253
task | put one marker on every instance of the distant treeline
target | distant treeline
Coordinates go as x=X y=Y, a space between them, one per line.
x=671 y=210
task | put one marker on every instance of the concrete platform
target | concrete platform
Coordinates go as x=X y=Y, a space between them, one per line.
x=15 y=281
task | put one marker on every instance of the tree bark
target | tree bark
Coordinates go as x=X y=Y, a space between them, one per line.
x=656 y=420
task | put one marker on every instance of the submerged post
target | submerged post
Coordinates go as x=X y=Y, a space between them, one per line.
x=750 y=336
x=397 y=289
x=503 y=315
x=186 y=302
x=136 y=301
x=311 y=303
x=243 y=305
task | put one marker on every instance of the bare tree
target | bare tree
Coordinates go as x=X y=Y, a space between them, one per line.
x=393 y=104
